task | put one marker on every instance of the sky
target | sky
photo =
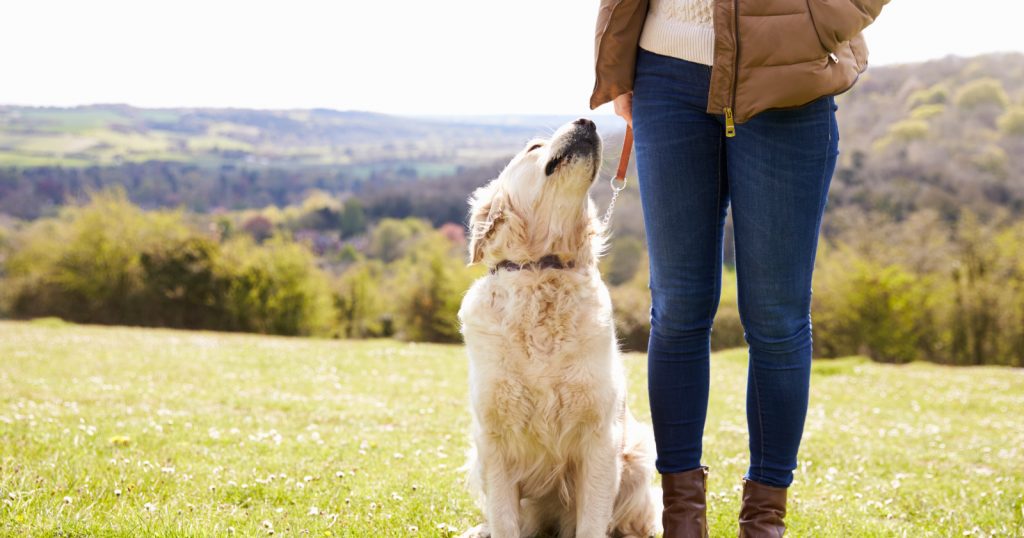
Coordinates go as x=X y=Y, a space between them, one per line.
x=438 y=57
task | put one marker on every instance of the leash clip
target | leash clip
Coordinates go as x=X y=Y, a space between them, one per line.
x=618 y=181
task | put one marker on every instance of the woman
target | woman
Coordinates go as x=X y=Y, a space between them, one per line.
x=731 y=101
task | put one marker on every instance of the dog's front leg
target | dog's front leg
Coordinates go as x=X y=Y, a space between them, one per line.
x=597 y=487
x=502 y=495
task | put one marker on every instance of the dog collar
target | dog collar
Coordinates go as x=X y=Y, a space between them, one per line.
x=550 y=261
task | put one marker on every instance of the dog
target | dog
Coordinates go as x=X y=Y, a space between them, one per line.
x=555 y=448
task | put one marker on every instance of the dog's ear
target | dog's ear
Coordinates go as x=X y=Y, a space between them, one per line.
x=487 y=208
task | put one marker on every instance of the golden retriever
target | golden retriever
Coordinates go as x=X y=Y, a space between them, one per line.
x=556 y=451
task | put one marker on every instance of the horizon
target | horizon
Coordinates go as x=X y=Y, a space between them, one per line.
x=602 y=112
x=259 y=56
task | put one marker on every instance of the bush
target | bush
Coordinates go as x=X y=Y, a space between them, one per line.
x=430 y=282
x=392 y=239
x=936 y=95
x=623 y=260
x=276 y=289
x=927 y=112
x=632 y=303
x=981 y=92
x=868 y=308
x=1011 y=123
x=357 y=299
x=727 y=331
x=183 y=286
x=909 y=129
x=985 y=315
x=85 y=265
x=109 y=262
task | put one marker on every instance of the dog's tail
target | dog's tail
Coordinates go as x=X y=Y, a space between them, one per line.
x=638 y=504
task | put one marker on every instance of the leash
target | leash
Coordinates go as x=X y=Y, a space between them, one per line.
x=618 y=182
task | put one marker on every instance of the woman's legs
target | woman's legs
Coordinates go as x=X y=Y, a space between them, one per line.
x=780 y=166
x=685 y=197
x=776 y=173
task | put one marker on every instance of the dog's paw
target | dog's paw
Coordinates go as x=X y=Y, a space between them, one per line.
x=480 y=531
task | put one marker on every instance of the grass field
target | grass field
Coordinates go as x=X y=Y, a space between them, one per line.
x=118 y=431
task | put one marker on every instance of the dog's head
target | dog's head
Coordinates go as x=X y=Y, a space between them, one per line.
x=538 y=205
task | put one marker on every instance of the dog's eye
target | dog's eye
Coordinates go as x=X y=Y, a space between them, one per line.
x=533 y=147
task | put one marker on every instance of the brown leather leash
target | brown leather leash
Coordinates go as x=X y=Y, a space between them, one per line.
x=627 y=147
x=620 y=174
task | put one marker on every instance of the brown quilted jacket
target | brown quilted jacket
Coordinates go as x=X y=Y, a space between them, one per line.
x=768 y=53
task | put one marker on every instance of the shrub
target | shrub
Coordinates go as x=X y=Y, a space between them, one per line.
x=864 y=307
x=632 y=304
x=358 y=301
x=926 y=112
x=392 y=239
x=353 y=218
x=623 y=260
x=85 y=265
x=981 y=92
x=727 y=331
x=276 y=289
x=110 y=262
x=182 y=286
x=936 y=95
x=909 y=129
x=430 y=282
x=1011 y=122
x=984 y=316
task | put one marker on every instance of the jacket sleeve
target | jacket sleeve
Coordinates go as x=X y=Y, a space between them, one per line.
x=838 y=21
x=619 y=23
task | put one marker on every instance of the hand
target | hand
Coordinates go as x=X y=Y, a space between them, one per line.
x=624 y=107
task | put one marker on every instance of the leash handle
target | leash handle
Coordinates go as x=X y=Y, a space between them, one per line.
x=627 y=147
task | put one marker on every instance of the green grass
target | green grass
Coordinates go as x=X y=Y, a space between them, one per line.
x=203 y=433
x=73 y=120
x=28 y=161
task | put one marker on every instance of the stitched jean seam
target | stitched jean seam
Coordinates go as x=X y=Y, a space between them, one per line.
x=718 y=210
x=760 y=415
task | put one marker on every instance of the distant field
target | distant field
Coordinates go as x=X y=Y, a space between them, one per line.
x=109 y=135
x=120 y=431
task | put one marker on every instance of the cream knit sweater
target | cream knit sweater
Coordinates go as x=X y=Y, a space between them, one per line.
x=682 y=29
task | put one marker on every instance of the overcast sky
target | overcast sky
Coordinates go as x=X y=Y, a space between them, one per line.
x=397 y=56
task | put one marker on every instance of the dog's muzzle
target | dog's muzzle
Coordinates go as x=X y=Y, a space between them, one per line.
x=575 y=142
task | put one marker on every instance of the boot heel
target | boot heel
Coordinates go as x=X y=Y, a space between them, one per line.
x=685 y=499
x=762 y=511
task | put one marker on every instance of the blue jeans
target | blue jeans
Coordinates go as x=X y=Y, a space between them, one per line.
x=776 y=173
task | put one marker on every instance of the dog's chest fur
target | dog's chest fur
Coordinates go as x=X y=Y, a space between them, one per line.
x=542 y=354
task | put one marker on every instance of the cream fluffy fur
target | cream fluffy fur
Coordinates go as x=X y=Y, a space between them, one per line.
x=555 y=448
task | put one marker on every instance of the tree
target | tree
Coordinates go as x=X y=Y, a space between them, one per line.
x=353 y=218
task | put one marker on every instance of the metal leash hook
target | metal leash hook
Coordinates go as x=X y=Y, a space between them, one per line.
x=620 y=176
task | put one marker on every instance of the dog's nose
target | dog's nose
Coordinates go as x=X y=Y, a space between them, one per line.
x=585 y=123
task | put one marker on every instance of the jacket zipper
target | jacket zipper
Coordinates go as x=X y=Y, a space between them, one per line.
x=730 y=124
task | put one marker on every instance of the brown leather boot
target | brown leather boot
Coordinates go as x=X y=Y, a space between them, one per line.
x=762 y=511
x=686 y=508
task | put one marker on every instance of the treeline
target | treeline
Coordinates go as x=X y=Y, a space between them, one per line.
x=111 y=262
x=387 y=189
x=923 y=289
